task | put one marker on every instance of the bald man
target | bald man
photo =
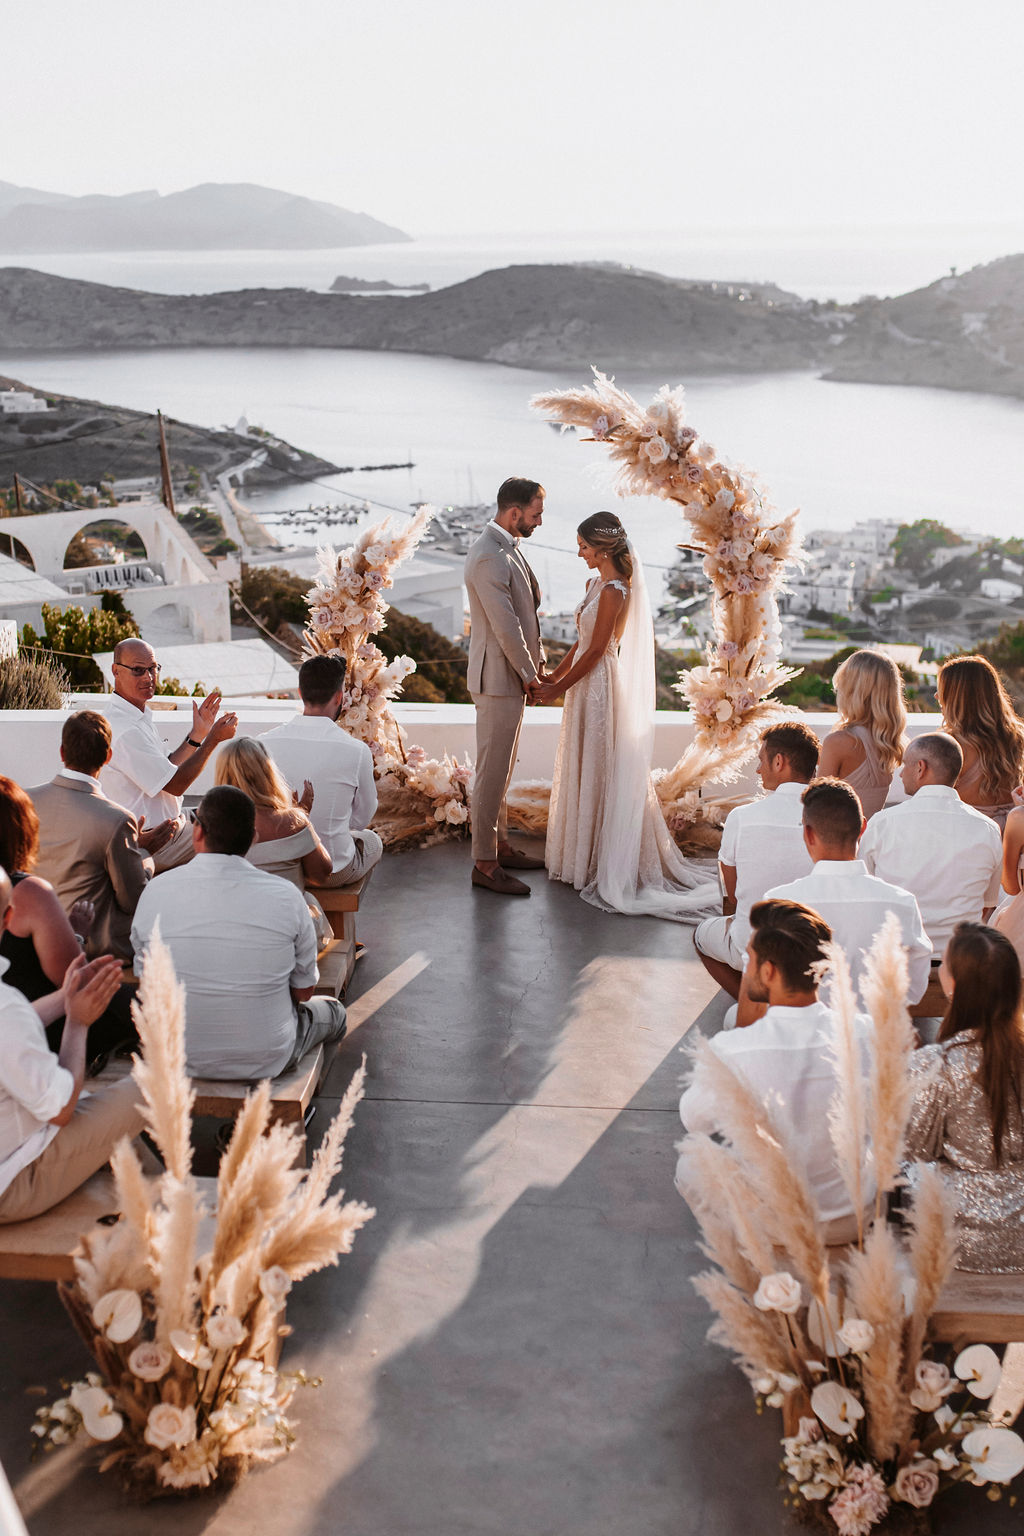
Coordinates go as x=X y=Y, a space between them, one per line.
x=141 y=775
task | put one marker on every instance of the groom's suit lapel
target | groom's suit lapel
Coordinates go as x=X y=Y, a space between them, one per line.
x=526 y=568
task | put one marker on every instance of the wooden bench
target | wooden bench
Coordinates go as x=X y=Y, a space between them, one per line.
x=979 y=1309
x=43 y=1248
x=934 y=1003
x=337 y=960
x=290 y=1094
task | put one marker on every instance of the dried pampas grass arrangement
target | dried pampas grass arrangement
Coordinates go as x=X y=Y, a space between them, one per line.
x=188 y=1392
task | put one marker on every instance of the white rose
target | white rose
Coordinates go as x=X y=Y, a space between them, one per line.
x=778 y=1293
x=933 y=1384
x=118 y=1314
x=917 y=1484
x=149 y=1361
x=656 y=449
x=168 y=1425
x=455 y=813
x=275 y=1283
x=857 y=1335
x=224 y=1331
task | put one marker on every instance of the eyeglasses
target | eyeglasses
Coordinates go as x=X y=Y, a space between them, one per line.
x=154 y=670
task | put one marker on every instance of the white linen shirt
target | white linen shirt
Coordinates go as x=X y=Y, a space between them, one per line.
x=855 y=905
x=239 y=939
x=139 y=766
x=786 y=1057
x=949 y=854
x=764 y=843
x=33 y=1085
x=340 y=769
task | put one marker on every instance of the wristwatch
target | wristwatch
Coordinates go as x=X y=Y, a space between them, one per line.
x=190 y=741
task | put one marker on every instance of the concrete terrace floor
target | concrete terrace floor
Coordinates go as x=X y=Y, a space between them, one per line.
x=513 y=1347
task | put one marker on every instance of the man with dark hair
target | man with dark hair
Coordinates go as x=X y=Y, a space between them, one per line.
x=89 y=848
x=949 y=854
x=141 y=775
x=787 y=1055
x=762 y=843
x=505 y=656
x=312 y=747
x=243 y=945
x=852 y=902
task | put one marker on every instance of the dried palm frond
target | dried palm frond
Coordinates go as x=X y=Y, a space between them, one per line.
x=884 y=990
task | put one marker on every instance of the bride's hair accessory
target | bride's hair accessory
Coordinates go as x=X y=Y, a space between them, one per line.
x=604 y=531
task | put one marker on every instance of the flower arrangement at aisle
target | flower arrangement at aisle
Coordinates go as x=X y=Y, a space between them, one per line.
x=419 y=799
x=183 y=1310
x=746 y=547
x=347 y=607
x=876 y=1424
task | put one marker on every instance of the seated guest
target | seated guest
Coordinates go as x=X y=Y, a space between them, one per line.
x=340 y=768
x=787 y=1056
x=90 y=848
x=39 y=941
x=947 y=853
x=978 y=712
x=51 y=1140
x=1010 y=917
x=286 y=843
x=852 y=902
x=866 y=746
x=967 y=1116
x=141 y=775
x=762 y=844
x=243 y=945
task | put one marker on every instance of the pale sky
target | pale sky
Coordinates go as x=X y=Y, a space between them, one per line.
x=541 y=115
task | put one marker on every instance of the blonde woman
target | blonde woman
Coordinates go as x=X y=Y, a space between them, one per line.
x=866 y=747
x=286 y=843
x=978 y=712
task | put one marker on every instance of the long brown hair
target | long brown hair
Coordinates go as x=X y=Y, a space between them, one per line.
x=978 y=711
x=19 y=829
x=986 y=1005
x=604 y=531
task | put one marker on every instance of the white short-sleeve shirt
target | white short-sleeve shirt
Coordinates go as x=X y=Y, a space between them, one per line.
x=240 y=939
x=33 y=1085
x=949 y=854
x=139 y=766
x=764 y=843
x=855 y=905
x=340 y=769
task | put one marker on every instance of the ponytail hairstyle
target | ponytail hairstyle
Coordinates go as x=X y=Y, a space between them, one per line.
x=603 y=531
x=986 y=1007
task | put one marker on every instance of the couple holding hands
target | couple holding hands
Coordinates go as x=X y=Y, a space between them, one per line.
x=606 y=834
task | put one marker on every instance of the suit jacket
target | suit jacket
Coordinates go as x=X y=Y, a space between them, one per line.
x=504 y=642
x=88 y=846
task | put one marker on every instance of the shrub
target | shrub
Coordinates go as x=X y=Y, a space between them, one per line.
x=33 y=682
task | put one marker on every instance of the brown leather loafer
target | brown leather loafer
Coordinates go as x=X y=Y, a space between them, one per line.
x=516 y=860
x=500 y=883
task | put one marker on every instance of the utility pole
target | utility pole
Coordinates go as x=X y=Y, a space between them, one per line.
x=17 y=495
x=167 y=492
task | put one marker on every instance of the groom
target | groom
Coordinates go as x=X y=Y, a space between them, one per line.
x=504 y=671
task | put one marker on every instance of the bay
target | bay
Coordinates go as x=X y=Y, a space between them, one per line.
x=840 y=452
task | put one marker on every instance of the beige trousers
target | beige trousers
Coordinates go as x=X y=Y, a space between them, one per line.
x=499 y=718
x=368 y=851
x=76 y=1152
x=178 y=851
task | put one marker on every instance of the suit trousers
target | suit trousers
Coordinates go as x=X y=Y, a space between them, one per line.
x=178 y=851
x=76 y=1152
x=499 y=718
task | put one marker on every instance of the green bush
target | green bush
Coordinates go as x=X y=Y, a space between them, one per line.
x=33 y=682
x=76 y=636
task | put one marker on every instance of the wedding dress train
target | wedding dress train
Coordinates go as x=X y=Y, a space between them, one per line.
x=606 y=832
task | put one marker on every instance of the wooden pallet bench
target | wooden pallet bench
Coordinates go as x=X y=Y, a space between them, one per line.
x=979 y=1309
x=933 y=1004
x=43 y=1248
x=337 y=960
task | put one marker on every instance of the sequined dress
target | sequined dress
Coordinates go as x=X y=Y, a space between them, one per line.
x=606 y=833
x=950 y=1127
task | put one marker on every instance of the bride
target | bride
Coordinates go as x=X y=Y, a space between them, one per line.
x=606 y=833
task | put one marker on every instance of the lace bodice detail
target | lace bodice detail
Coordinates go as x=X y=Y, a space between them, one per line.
x=586 y=612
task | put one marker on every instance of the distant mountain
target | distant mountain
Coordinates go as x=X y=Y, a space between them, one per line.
x=214 y=216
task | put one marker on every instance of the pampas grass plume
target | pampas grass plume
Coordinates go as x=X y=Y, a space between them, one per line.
x=884 y=989
x=932 y=1250
x=847 y=1114
x=159 y=1016
x=876 y=1294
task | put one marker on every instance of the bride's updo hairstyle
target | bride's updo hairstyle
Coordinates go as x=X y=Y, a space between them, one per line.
x=604 y=531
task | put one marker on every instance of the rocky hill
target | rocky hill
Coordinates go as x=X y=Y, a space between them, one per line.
x=542 y=316
x=214 y=216
x=964 y=332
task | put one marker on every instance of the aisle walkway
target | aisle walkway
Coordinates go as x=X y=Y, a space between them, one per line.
x=513 y=1348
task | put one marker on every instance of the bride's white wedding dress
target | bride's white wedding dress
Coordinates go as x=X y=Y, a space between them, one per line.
x=606 y=832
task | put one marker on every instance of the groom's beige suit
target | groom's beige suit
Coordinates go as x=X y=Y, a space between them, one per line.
x=504 y=656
